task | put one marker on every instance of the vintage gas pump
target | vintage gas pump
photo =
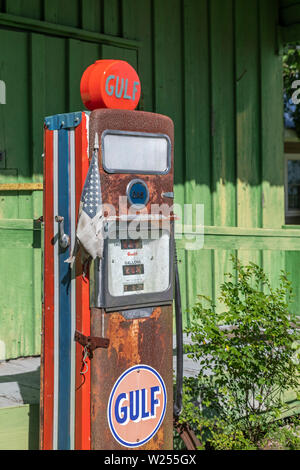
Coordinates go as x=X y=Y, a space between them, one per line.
x=107 y=368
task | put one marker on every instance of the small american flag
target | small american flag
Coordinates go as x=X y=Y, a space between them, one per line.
x=89 y=232
x=91 y=194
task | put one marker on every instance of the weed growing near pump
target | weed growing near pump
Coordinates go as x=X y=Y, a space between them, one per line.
x=248 y=359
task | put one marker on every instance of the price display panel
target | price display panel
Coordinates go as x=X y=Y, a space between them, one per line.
x=139 y=266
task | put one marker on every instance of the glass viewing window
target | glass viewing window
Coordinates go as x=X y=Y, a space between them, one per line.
x=135 y=152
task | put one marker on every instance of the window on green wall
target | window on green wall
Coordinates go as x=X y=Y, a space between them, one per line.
x=292 y=188
x=291 y=80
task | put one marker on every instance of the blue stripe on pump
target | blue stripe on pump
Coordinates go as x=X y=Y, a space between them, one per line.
x=64 y=297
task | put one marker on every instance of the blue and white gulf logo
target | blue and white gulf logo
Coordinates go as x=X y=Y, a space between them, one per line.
x=137 y=406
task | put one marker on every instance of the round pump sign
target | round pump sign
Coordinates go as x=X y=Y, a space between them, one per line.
x=110 y=84
x=137 y=406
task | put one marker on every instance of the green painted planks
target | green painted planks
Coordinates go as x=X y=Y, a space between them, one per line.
x=258 y=232
x=16 y=224
x=293 y=267
x=38 y=111
x=247 y=114
x=14 y=120
x=168 y=99
x=271 y=146
x=18 y=330
x=51 y=11
x=271 y=129
x=198 y=271
x=59 y=30
x=272 y=139
x=66 y=12
x=28 y=8
x=222 y=112
x=111 y=17
x=141 y=30
x=69 y=13
x=8 y=200
x=118 y=53
x=221 y=265
x=199 y=277
x=222 y=129
x=249 y=244
x=248 y=158
x=57 y=76
x=197 y=107
x=182 y=270
x=80 y=56
x=19 y=428
x=168 y=79
x=91 y=15
x=12 y=239
x=273 y=262
x=25 y=204
x=20 y=304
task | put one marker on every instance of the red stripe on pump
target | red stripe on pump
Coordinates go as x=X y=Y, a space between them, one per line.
x=47 y=362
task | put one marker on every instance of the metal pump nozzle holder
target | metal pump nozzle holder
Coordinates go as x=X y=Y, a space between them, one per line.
x=64 y=239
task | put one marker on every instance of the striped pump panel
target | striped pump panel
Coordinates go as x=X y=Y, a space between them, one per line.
x=65 y=393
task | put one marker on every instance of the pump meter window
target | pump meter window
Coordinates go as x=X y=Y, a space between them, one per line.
x=139 y=266
x=135 y=152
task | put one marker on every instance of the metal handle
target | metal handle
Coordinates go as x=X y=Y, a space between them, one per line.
x=64 y=239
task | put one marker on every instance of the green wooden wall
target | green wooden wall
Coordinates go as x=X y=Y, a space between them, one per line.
x=213 y=66
x=19 y=427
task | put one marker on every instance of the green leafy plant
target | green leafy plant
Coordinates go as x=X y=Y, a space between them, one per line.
x=247 y=357
x=282 y=435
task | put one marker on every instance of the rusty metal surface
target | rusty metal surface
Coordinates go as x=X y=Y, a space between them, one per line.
x=140 y=341
x=91 y=342
x=132 y=341
x=187 y=435
x=114 y=185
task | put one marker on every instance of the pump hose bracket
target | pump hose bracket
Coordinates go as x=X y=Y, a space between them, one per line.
x=90 y=343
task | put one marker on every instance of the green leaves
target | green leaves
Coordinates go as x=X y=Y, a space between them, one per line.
x=246 y=356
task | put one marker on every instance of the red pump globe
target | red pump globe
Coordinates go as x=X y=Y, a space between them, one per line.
x=110 y=84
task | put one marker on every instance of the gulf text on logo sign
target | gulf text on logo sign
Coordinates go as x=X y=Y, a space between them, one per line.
x=137 y=406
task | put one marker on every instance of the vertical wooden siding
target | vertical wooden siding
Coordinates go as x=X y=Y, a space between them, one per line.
x=211 y=65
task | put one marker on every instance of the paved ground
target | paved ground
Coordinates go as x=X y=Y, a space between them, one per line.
x=19 y=381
